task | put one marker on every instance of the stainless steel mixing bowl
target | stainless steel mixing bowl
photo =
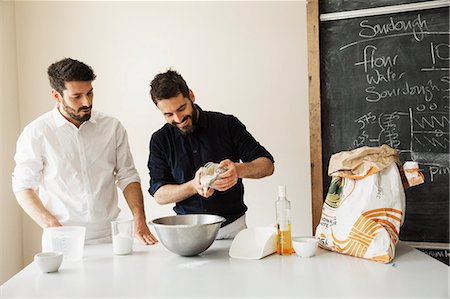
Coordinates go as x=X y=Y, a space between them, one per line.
x=187 y=235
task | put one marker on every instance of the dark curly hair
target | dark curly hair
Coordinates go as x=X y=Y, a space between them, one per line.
x=168 y=85
x=67 y=70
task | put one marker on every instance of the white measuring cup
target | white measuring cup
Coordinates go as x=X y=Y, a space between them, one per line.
x=66 y=239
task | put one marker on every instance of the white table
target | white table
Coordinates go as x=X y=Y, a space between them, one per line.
x=153 y=271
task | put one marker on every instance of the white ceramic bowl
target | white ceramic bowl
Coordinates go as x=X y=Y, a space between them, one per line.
x=48 y=261
x=305 y=246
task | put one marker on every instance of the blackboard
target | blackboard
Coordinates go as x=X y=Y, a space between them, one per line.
x=385 y=80
x=328 y=6
x=439 y=254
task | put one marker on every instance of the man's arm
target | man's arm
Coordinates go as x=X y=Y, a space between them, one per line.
x=32 y=205
x=162 y=184
x=256 y=169
x=171 y=193
x=135 y=200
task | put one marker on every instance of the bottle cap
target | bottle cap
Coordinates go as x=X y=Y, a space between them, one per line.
x=282 y=190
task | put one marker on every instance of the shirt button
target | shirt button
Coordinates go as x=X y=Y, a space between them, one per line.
x=194 y=151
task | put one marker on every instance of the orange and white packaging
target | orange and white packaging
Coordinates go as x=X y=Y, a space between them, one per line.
x=412 y=173
x=364 y=209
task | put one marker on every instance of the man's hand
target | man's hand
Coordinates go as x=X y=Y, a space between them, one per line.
x=143 y=233
x=32 y=205
x=133 y=196
x=227 y=179
x=198 y=186
x=54 y=223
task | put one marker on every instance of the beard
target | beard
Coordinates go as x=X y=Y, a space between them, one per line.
x=74 y=114
x=188 y=129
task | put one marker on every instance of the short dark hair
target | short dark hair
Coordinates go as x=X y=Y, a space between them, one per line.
x=67 y=70
x=168 y=85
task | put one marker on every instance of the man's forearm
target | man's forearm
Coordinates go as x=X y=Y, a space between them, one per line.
x=32 y=205
x=256 y=169
x=135 y=200
x=174 y=193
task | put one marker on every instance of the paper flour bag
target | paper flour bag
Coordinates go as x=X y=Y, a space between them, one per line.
x=365 y=205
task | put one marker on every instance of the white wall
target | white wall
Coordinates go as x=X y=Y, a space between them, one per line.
x=10 y=213
x=244 y=58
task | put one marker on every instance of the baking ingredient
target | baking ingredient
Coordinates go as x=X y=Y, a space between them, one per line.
x=122 y=243
x=210 y=172
x=283 y=211
x=205 y=181
x=412 y=173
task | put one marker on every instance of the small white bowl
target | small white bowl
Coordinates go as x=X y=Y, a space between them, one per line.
x=305 y=246
x=48 y=261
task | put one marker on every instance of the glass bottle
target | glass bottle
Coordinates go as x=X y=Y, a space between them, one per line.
x=283 y=213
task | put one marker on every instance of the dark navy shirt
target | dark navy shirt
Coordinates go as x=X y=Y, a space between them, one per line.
x=175 y=158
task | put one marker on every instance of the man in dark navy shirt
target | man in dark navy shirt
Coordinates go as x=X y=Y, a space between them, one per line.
x=193 y=137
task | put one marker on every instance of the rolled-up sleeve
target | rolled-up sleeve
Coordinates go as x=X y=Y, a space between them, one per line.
x=27 y=173
x=126 y=172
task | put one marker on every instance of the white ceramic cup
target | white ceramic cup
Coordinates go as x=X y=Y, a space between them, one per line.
x=305 y=246
x=48 y=262
x=122 y=236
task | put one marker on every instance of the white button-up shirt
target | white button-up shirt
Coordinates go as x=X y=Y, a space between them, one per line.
x=76 y=170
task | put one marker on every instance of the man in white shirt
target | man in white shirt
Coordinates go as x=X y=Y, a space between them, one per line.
x=70 y=161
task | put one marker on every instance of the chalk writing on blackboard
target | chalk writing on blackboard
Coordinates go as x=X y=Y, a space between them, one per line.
x=427 y=123
x=429 y=132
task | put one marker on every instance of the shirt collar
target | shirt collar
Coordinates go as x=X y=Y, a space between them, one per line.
x=60 y=120
x=202 y=118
